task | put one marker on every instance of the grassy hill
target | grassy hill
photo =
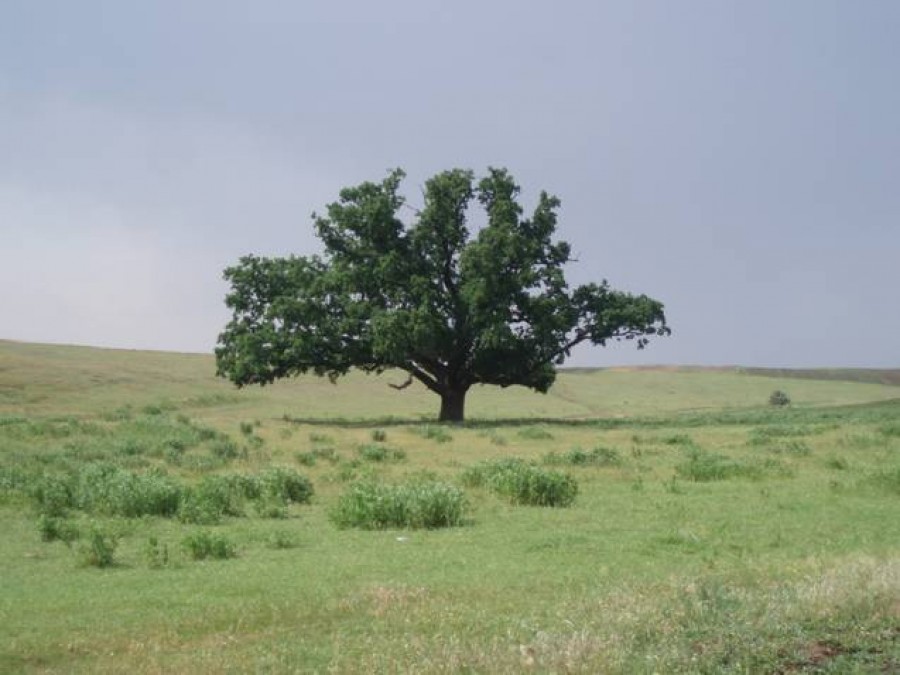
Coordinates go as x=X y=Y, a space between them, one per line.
x=51 y=379
x=155 y=519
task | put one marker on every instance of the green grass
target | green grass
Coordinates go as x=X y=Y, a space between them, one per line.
x=142 y=528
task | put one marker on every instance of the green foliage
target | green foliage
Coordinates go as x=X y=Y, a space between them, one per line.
x=371 y=452
x=598 y=456
x=109 y=490
x=52 y=528
x=156 y=554
x=522 y=483
x=779 y=399
x=379 y=435
x=286 y=485
x=703 y=466
x=202 y=545
x=434 y=433
x=98 y=548
x=534 y=434
x=371 y=505
x=451 y=307
x=224 y=448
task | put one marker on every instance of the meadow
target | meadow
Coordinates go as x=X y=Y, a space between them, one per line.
x=155 y=519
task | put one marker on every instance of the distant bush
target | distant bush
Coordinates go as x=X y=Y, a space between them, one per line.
x=371 y=505
x=98 y=549
x=522 y=483
x=779 y=399
x=534 y=434
x=379 y=435
x=599 y=456
x=380 y=453
x=434 y=433
x=110 y=490
x=286 y=485
x=217 y=496
x=224 y=448
x=156 y=554
x=57 y=529
x=203 y=545
x=704 y=466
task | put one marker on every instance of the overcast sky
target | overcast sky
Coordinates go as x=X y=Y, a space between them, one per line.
x=740 y=161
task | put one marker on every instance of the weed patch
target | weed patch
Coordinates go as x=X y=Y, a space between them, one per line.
x=370 y=505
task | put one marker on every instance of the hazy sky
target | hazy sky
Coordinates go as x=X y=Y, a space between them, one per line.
x=740 y=161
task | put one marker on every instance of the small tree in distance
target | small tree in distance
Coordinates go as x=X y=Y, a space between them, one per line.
x=779 y=399
x=449 y=306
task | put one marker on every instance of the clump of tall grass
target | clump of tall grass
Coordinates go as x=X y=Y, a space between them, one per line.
x=417 y=504
x=598 y=456
x=372 y=452
x=702 y=466
x=434 y=433
x=522 y=483
x=311 y=457
x=203 y=545
x=52 y=528
x=98 y=548
x=534 y=434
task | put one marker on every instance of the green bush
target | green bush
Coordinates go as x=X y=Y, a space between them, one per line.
x=52 y=495
x=98 y=549
x=534 y=434
x=224 y=448
x=215 y=497
x=57 y=529
x=371 y=452
x=434 y=433
x=599 y=456
x=522 y=483
x=110 y=490
x=379 y=435
x=370 y=505
x=286 y=485
x=704 y=467
x=157 y=554
x=779 y=399
x=203 y=545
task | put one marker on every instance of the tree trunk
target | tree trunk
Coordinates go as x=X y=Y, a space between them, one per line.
x=453 y=404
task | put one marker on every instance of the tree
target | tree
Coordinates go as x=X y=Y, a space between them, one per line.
x=450 y=306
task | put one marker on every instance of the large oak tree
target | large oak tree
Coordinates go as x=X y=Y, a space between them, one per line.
x=450 y=304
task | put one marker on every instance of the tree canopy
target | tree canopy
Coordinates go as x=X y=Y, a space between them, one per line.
x=450 y=304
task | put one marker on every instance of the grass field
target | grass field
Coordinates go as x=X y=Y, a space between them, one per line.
x=154 y=519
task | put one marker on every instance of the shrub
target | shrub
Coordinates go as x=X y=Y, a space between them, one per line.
x=246 y=428
x=157 y=554
x=379 y=435
x=224 y=448
x=599 y=456
x=108 y=489
x=534 y=434
x=213 y=498
x=57 y=529
x=434 y=433
x=522 y=483
x=52 y=495
x=370 y=505
x=203 y=545
x=779 y=399
x=531 y=486
x=98 y=549
x=704 y=467
x=286 y=485
x=380 y=453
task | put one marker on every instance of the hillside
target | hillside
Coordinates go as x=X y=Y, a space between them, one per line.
x=37 y=379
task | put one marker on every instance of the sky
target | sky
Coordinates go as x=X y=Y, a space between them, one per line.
x=739 y=161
